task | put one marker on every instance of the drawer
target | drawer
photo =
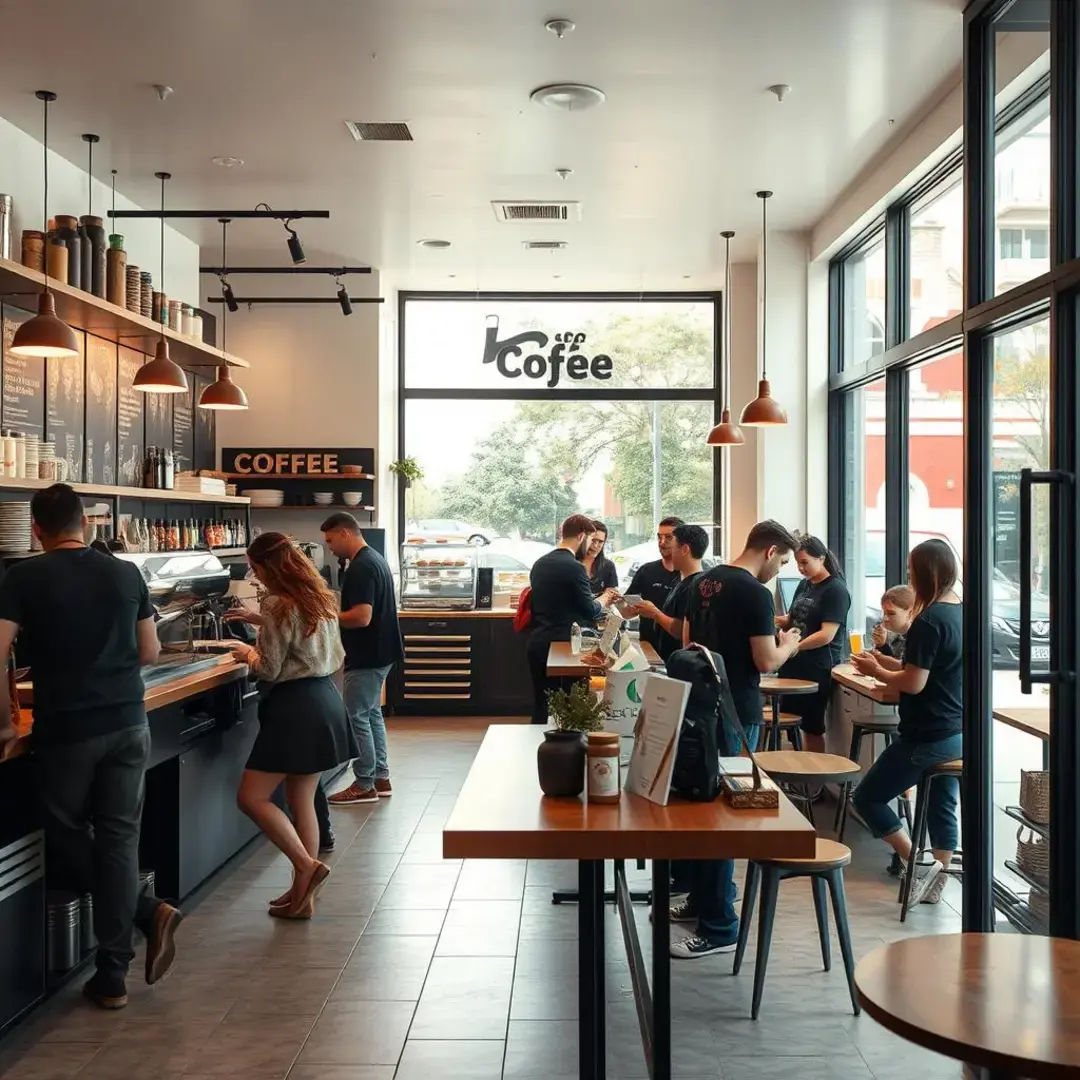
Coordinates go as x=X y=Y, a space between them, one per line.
x=436 y=697
x=438 y=626
x=421 y=639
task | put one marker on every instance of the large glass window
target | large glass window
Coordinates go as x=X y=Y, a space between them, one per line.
x=863 y=290
x=936 y=252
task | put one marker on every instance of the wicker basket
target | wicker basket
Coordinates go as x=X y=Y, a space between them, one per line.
x=1035 y=796
x=1033 y=854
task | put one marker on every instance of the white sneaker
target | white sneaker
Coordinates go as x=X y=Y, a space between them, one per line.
x=925 y=876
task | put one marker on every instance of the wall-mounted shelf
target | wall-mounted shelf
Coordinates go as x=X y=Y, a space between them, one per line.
x=108 y=491
x=82 y=310
x=324 y=509
x=299 y=476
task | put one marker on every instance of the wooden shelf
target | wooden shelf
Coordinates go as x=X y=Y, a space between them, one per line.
x=366 y=509
x=228 y=552
x=20 y=285
x=108 y=491
x=299 y=476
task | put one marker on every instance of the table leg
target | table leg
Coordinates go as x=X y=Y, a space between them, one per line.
x=774 y=737
x=592 y=1048
x=661 y=971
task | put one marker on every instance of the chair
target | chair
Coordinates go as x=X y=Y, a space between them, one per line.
x=825 y=870
x=796 y=771
x=885 y=727
x=918 y=837
x=789 y=723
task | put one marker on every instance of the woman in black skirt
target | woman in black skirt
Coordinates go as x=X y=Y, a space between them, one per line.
x=303 y=730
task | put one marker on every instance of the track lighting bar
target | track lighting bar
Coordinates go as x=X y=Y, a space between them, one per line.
x=297 y=300
x=277 y=215
x=333 y=271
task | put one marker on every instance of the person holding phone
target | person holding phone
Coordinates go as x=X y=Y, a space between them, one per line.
x=689 y=544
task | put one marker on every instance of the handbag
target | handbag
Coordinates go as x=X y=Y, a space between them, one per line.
x=523 y=614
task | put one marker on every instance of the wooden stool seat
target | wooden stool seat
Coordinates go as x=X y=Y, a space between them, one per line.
x=801 y=766
x=946 y=768
x=879 y=726
x=787 y=719
x=828 y=856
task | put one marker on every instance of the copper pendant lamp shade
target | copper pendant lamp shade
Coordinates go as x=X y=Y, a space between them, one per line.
x=764 y=410
x=223 y=394
x=161 y=375
x=726 y=433
x=45 y=334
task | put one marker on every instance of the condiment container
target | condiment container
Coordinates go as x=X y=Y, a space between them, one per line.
x=56 y=253
x=10 y=465
x=174 y=315
x=94 y=231
x=116 y=271
x=33 y=249
x=602 y=767
x=20 y=455
x=67 y=229
x=187 y=320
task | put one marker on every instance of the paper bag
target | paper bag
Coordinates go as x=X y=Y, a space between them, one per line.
x=623 y=692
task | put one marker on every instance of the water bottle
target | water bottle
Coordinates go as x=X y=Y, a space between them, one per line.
x=575 y=639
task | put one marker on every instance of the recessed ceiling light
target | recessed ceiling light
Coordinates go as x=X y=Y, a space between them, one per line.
x=562 y=174
x=227 y=162
x=451 y=275
x=570 y=97
x=434 y=243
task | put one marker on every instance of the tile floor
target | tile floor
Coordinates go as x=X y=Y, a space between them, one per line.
x=419 y=968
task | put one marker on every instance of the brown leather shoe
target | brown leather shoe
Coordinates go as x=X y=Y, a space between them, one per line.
x=354 y=793
x=383 y=788
x=160 y=944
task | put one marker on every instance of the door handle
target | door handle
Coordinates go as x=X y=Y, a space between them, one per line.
x=1029 y=478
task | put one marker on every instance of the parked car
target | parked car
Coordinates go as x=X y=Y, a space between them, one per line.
x=451 y=531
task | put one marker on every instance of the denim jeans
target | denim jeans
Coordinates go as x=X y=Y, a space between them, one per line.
x=899 y=767
x=712 y=898
x=363 y=689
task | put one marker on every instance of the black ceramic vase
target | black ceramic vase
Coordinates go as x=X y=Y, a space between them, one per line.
x=560 y=763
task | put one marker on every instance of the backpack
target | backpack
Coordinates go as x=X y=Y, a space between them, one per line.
x=523 y=615
x=710 y=729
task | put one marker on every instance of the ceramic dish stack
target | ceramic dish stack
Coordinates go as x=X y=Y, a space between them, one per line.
x=264 y=497
x=33 y=447
x=352 y=498
x=323 y=498
x=15 y=532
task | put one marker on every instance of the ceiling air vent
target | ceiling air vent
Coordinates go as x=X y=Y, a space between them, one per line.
x=537 y=211
x=362 y=131
x=544 y=245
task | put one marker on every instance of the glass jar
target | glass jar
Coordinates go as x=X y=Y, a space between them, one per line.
x=603 y=767
x=33 y=249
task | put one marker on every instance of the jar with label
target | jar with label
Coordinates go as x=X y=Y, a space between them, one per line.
x=603 y=767
x=174 y=315
x=187 y=320
x=20 y=455
x=10 y=469
x=33 y=249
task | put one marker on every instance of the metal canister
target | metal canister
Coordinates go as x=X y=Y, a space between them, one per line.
x=5 y=226
x=174 y=315
x=62 y=930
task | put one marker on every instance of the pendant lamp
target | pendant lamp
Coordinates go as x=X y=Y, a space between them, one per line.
x=223 y=394
x=161 y=375
x=45 y=334
x=726 y=433
x=764 y=410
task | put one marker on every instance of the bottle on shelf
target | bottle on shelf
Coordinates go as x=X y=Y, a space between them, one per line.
x=116 y=271
x=67 y=230
x=150 y=468
x=170 y=469
x=86 y=256
x=159 y=468
x=96 y=246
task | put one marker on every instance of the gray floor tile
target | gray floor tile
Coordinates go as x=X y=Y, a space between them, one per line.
x=342 y=1072
x=358 y=1033
x=451 y=1060
x=386 y=968
x=844 y=1067
x=545 y=1049
x=483 y=879
x=480 y=928
x=405 y=921
x=465 y=998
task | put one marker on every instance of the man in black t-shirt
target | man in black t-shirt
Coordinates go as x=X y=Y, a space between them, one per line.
x=86 y=627
x=654 y=580
x=372 y=640
x=731 y=613
x=689 y=544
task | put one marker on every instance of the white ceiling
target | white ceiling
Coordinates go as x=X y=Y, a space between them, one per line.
x=687 y=134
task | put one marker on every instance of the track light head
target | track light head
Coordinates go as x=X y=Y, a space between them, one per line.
x=227 y=295
x=343 y=299
x=296 y=249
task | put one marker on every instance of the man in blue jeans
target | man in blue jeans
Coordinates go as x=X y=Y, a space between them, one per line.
x=372 y=640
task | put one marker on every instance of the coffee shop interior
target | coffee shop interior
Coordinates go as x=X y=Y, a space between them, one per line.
x=463 y=271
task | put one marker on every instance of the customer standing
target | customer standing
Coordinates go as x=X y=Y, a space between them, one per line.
x=601 y=570
x=731 y=613
x=689 y=544
x=302 y=726
x=372 y=639
x=654 y=580
x=560 y=597
x=86 y=627
x=819 y=611
x=930 y=684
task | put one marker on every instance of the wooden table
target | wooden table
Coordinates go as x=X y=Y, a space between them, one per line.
x=562 y=663
x=1033 y=721
x=501 y=814
x=773 y=687
x=1007 y=1002
x=846 y=675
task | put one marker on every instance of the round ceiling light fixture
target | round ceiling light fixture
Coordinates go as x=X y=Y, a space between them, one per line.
x=559 y=27
x=570 y=97
x=227 y=162
x=438 y=244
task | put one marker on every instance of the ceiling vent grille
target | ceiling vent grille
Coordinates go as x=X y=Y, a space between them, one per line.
x=363 y=131
x=537 y=211
x=544 y=245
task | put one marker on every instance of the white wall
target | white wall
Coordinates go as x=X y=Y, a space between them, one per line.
x=21 y=178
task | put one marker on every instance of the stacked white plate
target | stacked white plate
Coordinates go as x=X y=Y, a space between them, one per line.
x=264 y=496
x=323 y=498
x=33 y=445
x=15 y=526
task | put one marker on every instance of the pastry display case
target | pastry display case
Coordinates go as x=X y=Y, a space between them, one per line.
x=438 y=577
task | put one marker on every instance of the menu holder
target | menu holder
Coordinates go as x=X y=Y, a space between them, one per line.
x=656 y=735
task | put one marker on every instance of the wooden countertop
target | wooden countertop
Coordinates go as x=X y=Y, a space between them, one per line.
x=496 y=613
x=1033 y=721
x=502 y=814
x=846 y=675
x=562 y=663
x=157 y=697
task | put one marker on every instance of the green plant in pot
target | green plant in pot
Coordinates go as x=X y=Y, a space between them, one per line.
x=560 y=758
x=408 y=469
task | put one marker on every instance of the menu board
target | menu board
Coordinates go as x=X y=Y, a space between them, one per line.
x=23 y=381
x=100 y=411
x=205 y=431
x=65 y=417
x=183 y=443
x=158 y=409
x=129 y=420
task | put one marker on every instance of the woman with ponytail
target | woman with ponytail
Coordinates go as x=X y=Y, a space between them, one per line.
x=303 y=730
x=819 y=610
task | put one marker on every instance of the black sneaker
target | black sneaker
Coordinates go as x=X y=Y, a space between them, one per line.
x=682 y=912
x=690 y=948
x=106 y=991
x=327 y=843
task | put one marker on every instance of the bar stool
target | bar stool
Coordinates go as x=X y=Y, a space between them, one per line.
x=825 y=870
x=789 y=724
x=796 y=770
x=886 y=728
x=918 y=837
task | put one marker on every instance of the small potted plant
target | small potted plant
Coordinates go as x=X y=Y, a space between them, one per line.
x=560 y=758
x=408 y=469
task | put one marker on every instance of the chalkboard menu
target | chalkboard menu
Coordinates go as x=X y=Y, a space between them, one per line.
x=23 y=381
x=205 y=431
x=183 y=443
x=158 y=409
x=64 y=407
x=129 y=420
x=100 y=411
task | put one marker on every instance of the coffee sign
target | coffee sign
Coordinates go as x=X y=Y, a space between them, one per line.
x=565 y=356
x=295 y=461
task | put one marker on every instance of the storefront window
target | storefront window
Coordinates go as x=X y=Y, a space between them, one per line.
x=863 y=291
x=936 y=238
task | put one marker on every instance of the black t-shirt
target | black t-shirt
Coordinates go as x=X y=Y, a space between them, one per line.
x=676 y=605
x=935 y=643
x=368 y=581
x=653 y=582
x=815 y=604
x=560 y=596
x=77 y=610
x=603 y=575
x=729 y=606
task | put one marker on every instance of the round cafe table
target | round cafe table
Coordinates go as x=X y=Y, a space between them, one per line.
x=1009 y=1003
x=773 y=687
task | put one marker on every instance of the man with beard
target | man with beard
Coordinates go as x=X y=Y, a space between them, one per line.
x=654 y=581
x=561 y=596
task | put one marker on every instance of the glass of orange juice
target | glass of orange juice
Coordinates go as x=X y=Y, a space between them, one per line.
x=856 y=640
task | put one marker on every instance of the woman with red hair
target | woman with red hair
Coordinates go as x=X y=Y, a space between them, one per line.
x=303 y=730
